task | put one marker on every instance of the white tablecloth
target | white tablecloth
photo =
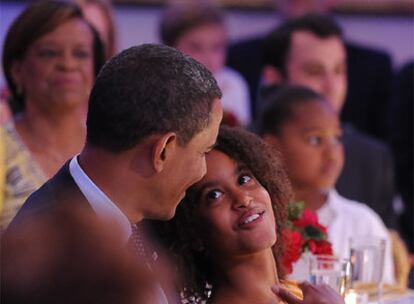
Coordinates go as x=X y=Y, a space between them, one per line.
x=406 y=298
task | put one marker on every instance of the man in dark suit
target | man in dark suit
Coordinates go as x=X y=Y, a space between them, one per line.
x=153 y=115
x=148 y=121
x=309 y=51
x=401 y=136
x=369 y=73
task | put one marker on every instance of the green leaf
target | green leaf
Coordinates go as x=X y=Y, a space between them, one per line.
x=295 y=210
x=312 y=232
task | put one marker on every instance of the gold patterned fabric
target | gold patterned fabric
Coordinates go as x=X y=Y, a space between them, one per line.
x=21 y=174
x=402 y=265
x=293 y=288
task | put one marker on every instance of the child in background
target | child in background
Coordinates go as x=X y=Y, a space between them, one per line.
x=198 y=30
x=305 y=128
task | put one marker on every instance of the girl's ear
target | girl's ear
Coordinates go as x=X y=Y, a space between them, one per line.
x=163 y=150
x=271 y=75
x=272 y=140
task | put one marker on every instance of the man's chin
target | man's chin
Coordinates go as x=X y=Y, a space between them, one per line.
x=169 y=215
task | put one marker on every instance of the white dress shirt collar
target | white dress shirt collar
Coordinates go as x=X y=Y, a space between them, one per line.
x=328 y=212
x=99 y=201
x=105 y=209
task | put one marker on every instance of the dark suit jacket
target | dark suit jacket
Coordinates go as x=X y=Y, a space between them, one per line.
x=56 y=194
x=369 y=79
x=246 y=57
x=402 y=137
x=368 y=173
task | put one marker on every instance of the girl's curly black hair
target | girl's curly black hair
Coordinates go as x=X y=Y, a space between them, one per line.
x=179 y=235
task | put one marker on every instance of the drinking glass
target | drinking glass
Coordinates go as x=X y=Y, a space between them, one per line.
x=353 y=297
x=367 y=264
x=330 y=270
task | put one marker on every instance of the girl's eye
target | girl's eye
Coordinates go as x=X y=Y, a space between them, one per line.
x=213 y=195
x=244 y=178
x=314 y=140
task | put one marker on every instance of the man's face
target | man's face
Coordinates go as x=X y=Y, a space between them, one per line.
x=188 y=165
x=320 y=64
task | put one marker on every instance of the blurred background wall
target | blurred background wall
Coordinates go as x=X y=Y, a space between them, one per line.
x=138 y=24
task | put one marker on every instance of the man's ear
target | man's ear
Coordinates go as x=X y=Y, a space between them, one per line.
x=271 y=75
x=164 y=148
x=272 y=140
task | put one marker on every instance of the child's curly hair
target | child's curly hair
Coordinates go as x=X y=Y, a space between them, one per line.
x=180 y=236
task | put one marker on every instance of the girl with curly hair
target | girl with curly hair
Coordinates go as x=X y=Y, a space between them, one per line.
x=225 y=240
x=225 y=237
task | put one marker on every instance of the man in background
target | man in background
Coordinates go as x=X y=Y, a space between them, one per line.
x=369 y=71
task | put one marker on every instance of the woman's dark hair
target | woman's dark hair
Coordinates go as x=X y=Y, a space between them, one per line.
x=34 y=22
x=180 y=236
x=105 y=7
x=279 y=104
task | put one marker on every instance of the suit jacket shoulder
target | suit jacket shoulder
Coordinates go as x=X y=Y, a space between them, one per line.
x=59 y=192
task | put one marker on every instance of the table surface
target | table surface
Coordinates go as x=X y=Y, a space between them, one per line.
x=397 y=298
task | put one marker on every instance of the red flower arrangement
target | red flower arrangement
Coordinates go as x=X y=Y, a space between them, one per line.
x=303 y=233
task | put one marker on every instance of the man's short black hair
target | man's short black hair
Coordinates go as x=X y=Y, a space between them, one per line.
x=280 y=104
x=146 y=90
x=277 y=43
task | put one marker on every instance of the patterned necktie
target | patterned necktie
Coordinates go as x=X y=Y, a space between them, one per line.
x=136 y=243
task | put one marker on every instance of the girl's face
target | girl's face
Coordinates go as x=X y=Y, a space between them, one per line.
x=234 y=212
x=310 y=142
x=58 y=68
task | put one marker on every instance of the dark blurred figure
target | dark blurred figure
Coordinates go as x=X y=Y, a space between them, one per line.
x=50 y=59
x=369 y=71
x=83 y=261
x=401 y=138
